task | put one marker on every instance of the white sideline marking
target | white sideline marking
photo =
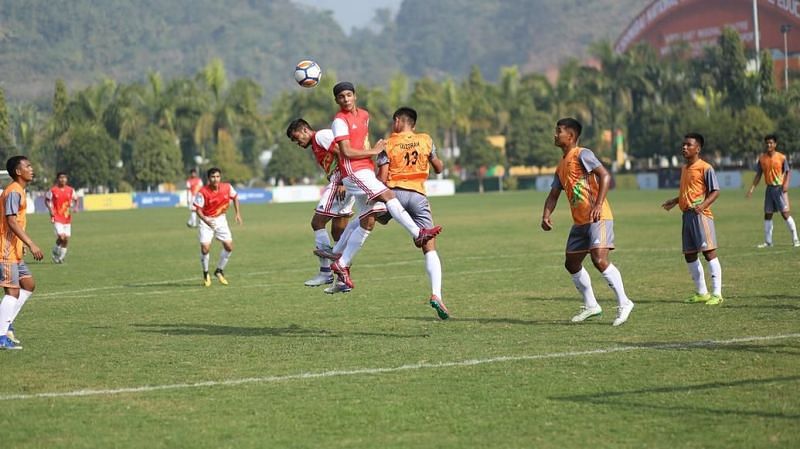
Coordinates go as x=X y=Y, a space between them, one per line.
x=367 y=371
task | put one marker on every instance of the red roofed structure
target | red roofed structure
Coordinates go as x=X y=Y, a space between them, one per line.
x=699 y=23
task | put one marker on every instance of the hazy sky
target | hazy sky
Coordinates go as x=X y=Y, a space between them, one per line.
x=353 y=12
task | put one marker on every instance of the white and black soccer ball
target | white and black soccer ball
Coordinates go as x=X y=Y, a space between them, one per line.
x=307 y=73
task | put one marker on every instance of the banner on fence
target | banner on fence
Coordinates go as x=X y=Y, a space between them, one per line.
x=254 y=196
x=144 y=200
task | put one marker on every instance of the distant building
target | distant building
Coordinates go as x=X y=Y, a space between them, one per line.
x=699 y=23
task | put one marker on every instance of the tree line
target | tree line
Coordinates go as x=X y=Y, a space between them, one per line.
x=123 y=136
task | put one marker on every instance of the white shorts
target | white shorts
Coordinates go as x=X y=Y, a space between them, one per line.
x=220 y=232
x=62 y=229
x=364 y=182
x=364 y=186
x=330 y=206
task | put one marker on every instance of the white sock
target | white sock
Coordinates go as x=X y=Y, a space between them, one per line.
x=354 y=244
x=716 y=276
x=583 y=283
x=204 y=262
x=62 y=252
x=434 y=268
x=402 y=217
x=7 y=308
x=614 y=279
x=792 y=228
x=193 y=218
x=322 y=241
x=23 y=297
x=698 y=276
x=348 y=230
x=224 y=255
x=768 y=231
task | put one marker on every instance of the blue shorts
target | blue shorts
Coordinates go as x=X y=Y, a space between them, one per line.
x=698 y=233
x=586 y=237
x=775 y=200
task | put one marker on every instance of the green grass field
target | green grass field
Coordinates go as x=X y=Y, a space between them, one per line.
x=124 y=348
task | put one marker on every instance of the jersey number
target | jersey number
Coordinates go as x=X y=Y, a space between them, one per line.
x=411 y=158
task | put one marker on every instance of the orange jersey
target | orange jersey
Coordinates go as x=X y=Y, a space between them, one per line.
x=12 y=202
x=574 y=176
x=213 y=203
x=355 y=128
x=60 y=203
x=773 y=167
x=697 y=181
x=193 y=185
x=408 y=155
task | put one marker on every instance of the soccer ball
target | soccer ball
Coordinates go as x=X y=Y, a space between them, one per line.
x=307 y=73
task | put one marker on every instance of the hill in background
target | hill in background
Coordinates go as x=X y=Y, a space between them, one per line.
x=82 y=41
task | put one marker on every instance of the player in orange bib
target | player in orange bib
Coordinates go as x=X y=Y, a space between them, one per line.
x=15 y=278
x=351 y=133
x=775 y=168
x=699 y=188
x=60 y=201
x=193 y=185
x=211 y=204
x=404 y=167
x=585 y=181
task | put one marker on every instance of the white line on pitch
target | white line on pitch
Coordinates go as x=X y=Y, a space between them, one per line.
x=395 y=369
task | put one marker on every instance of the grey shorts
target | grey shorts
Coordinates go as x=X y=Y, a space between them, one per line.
x=417 y=206
x=698 y=233
x=775 y=200
x=12 y=272
x=585 y=237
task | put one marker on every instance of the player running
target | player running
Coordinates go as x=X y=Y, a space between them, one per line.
x=585 y=181
x=211 y=203
x=699 y=188
x=775 y=168
x=60 y=201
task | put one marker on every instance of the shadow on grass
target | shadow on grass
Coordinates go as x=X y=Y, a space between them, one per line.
x=611 y=301
x=292 y=330
x=623 y=398
x=515 y=321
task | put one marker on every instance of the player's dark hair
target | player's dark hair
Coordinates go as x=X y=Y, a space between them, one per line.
x=193 y=171
x=409 y=114
x=58 y=175
x=296 y=125
x=12 y=164
x=571 y=123
x=771 y=137
x=213 y=170
x=697 y=137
